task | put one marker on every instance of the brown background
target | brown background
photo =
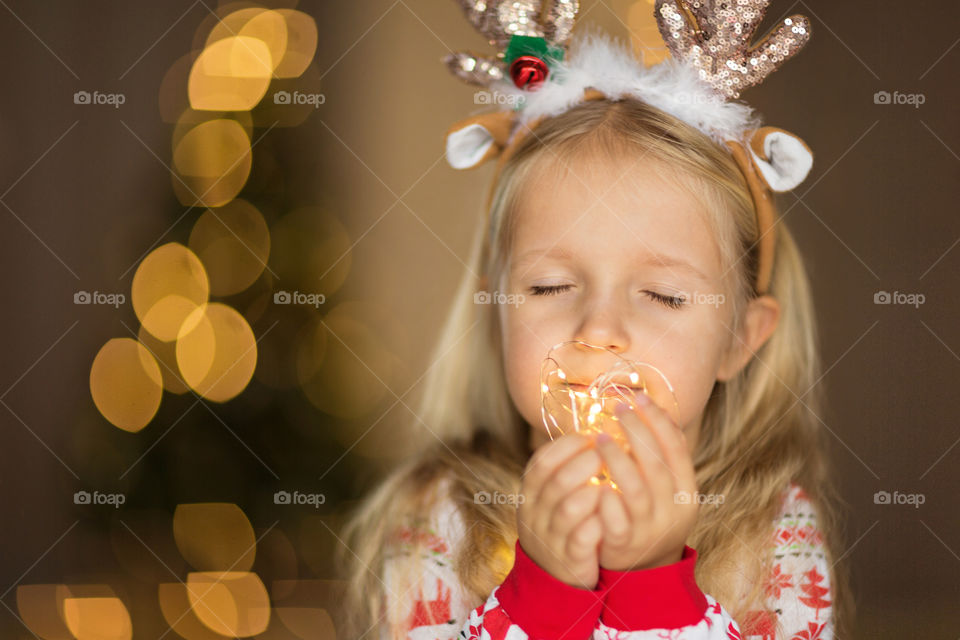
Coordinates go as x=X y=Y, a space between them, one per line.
x=879 y=212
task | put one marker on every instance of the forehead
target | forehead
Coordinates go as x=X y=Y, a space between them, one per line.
x=599 y=208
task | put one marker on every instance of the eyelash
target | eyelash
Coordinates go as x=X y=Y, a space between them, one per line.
x=669 y=301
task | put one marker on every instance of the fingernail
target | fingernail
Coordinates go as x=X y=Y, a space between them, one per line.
x=621 y=408
x=642 y=399
x=604 y=437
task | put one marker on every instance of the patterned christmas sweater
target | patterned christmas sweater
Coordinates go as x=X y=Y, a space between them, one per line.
x=660 y=603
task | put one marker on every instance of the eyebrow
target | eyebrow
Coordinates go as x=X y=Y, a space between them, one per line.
x=549 y=252
x=645 y=259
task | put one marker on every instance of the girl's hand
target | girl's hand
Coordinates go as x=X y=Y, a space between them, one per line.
x=557 y=522
x=644 y=524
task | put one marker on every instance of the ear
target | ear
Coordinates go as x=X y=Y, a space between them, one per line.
x=761 y=318
x=783 y=159
x=473 y=141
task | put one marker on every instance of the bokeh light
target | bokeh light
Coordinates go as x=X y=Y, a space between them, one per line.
x=296 y=604
x=216 y=352
x=269 y=27
x=277 y=350
x=276 y=557
x=126 y=384
x=97 y=618
x=231 y=603
x=231 y=74
x=253 y=303
x=311 y=251
x=233 y=242
x=167 y=287
x=214 y=536
x=179 y=614
x=40 y=607
x=301 y=43
x=354 y=373
x=290 y=36
x=211 y=163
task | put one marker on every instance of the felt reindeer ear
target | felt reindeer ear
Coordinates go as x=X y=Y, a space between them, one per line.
x=783 y=159
x=473 y=141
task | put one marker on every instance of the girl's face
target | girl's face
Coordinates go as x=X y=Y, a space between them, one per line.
x=616 y=256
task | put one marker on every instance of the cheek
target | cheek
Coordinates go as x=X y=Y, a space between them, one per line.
x=690 y=360
x=692 y=383
x=523 y=354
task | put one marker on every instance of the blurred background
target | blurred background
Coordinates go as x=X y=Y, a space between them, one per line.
x=230 y=237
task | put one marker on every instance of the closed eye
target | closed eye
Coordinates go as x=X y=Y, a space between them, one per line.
x=549 y=290
x=672 y=302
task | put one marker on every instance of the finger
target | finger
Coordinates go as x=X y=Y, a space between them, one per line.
x=646 y=451
x=546 y=459
x=573 y=509
x=672 y=441
x=625 y=472
x=616 y=519
x=584 y=539
x=571 y=475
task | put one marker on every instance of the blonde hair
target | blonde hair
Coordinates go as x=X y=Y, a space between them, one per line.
x=760 y=429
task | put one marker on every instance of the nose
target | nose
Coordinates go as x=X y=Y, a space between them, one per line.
x=603 y=325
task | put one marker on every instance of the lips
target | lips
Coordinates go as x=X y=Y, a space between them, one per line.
x=608 y=391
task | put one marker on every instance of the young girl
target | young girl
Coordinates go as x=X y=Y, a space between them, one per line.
x=621 y=225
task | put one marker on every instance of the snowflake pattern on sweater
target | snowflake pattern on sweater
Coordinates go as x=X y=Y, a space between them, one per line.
x=661 y=603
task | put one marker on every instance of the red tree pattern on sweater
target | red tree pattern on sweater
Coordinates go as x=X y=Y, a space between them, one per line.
x=815 y=593
x=762 y=624
x=813 y=631
x=428 y=612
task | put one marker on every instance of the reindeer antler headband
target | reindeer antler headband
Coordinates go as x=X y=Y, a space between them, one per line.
x=712 y=62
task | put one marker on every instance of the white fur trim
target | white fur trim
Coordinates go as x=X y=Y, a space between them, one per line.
x=790 y=161
x=597 y=60
x=467 y=146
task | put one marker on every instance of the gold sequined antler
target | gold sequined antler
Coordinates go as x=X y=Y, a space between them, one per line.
x=715 y=37
x=498 y=21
